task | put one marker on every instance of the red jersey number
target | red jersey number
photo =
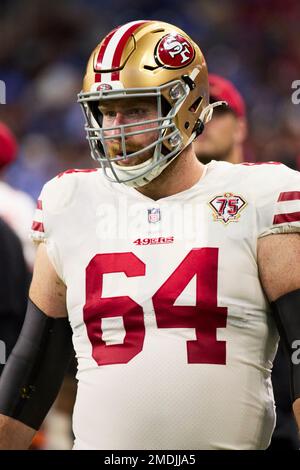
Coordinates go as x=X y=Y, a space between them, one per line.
x=205 y=317
x=97 y=307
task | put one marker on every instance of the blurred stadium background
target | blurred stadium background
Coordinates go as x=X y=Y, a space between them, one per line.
x=44 y=47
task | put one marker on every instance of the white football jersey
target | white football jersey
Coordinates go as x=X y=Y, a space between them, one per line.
x=172 y=331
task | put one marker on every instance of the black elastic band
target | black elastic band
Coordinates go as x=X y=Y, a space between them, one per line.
x=35 y=369
x=286 y=312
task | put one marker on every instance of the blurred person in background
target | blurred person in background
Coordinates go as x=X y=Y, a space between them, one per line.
x=14 y=283
x=223 y=139
x=225 y=135
x=17 y=253
x=16 y=207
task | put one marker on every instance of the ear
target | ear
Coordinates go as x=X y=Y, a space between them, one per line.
x=241 y=131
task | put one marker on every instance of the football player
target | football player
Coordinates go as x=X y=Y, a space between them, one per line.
x=170 y=273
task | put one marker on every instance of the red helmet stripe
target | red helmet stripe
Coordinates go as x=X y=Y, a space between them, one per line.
x=111 y=50
x=101 y=54
x=119 y=49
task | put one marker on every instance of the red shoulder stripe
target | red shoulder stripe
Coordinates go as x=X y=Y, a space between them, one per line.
x=282 y=218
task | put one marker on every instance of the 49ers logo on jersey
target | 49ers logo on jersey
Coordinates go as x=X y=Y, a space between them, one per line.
x=227 y=207
x=174 y=51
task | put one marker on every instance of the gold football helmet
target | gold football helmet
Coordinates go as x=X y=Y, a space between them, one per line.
x=146 y=59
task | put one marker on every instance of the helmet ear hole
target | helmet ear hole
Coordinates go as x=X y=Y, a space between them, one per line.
x=195 y=106
x=165 y=106
x=97 y=115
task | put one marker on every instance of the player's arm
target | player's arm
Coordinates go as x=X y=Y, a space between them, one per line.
x=33 y=374
x=279 y=267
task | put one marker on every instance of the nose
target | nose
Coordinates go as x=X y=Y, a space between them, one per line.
x=119 y=119
x=115 y=121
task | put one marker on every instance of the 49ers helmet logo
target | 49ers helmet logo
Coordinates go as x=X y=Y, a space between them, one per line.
x=104 y=87
x=174 y=51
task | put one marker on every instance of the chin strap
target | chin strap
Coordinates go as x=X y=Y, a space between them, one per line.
x=140 y=181
x=207 y=112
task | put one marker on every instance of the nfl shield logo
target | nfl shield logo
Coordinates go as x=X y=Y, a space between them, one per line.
x=154 y=215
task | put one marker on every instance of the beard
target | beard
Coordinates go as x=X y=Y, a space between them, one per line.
x=114 y=150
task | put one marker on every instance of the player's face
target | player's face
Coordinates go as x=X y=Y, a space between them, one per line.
x=129 y=111
x=218 y=138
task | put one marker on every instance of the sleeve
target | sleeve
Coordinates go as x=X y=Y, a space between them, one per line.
x=56 y=196
x=279 y=212
x=46 y=218
x=38 y=233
